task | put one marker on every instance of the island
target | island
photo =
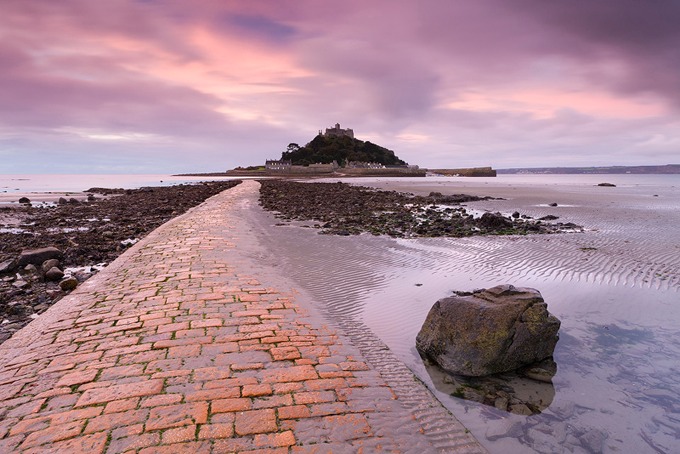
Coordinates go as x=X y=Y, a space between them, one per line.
x=336 y=152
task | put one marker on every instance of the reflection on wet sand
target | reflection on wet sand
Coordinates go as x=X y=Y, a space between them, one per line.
x=514 y=392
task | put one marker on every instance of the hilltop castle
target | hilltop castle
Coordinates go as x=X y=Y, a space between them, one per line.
x=337 y=131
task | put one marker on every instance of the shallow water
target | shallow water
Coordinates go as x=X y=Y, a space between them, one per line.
x=48 y=188
x=615 y=287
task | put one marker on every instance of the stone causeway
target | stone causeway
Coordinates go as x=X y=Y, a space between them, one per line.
x=183 y=345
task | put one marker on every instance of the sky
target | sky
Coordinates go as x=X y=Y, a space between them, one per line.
x=170 y=86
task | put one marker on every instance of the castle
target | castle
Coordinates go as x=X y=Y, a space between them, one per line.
x=337 y=131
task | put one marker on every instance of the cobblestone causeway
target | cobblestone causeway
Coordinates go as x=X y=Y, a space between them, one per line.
x=180 y=345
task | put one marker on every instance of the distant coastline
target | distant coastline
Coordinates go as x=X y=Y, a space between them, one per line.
x=646 y=170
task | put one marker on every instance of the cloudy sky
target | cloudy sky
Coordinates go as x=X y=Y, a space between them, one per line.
x=161 y=86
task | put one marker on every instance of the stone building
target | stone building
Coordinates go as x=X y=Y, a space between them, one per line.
x=364 y=165
x=281 y=166
x=337 y=131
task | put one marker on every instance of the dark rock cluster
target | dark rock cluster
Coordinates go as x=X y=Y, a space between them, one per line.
x=35 y=255
x=343 y=209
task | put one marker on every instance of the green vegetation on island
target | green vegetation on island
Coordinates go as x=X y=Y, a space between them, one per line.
x=343 y=149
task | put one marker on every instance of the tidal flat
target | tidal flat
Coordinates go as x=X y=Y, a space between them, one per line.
x=614 y=284
x=615 y=287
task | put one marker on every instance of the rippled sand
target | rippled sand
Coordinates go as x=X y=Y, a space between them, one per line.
x=615 y=287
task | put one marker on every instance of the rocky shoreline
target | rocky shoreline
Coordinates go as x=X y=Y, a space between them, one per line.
x=344 y=209
x=83 y=237
x=86 y=235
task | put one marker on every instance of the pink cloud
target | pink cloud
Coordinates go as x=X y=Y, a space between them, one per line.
x=487 y=76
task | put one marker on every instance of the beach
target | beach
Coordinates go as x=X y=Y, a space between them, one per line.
x=613 y=285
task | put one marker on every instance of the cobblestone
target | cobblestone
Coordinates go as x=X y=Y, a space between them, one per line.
x=181 y=345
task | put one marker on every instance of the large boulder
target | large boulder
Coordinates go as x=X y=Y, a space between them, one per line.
x=38 y=256
x=489 y=331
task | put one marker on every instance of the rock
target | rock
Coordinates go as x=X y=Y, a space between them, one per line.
x=7 y=266
x=520 y=409
x=38 y=256
x=30 y=269
x=475 y=395
x=24 y=200
x=488 y=332
x=54 y=274
x=16 y=308
x=607 y=185
x=494 y=221
x=593 y=440
x=554 y=204
x=62 y=201
x=565 y=410
x=70 y=283
x=53 y=293
x=49 y=264
x=20 y=284
x=501 y=403
x=515 y=215
x=549 y=217
x=543 y=371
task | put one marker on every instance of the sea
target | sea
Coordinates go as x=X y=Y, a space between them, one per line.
x=23 y=183
x=37 y=183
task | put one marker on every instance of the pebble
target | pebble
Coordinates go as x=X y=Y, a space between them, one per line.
x=501 y=403
x=20 y=284
x=49 y=264
x=30 y=269
x=593 y=440
x=7 y=266
x=70 y=283
x=54 y=274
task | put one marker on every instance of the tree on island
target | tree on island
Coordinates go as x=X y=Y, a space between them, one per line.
x=325 y=150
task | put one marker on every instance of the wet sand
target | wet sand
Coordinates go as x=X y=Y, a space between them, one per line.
x=615 y=287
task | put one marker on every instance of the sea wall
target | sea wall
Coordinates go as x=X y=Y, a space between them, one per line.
x=316 y=171
x=387 y=172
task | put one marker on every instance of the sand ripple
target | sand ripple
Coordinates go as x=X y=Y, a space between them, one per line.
x=619 y=276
